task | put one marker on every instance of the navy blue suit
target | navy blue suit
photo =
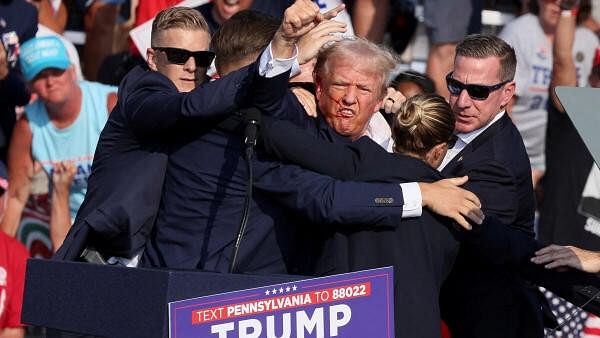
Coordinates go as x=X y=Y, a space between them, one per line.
x=128 y=171
x=479 y=299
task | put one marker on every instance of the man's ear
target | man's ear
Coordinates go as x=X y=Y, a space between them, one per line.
x=507 y=93
x=150 y=56
x=318 y=85
x=72 y=72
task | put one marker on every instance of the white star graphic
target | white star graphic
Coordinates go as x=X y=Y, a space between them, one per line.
x=280 y=290
x=274 y=291
x=287 y=289
x=294 y=288
x=267 y=292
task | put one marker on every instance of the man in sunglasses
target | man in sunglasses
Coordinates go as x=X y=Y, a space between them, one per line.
x=480 y=300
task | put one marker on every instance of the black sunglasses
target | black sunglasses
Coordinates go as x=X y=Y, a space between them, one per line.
x=180 y=56
x=475 y=91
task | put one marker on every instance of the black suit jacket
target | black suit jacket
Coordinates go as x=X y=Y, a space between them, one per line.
x=479 y=299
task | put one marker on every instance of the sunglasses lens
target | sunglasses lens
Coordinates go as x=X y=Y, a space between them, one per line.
x=478 y=92
x=177 y=56
x=203 y=59
x=454 y=87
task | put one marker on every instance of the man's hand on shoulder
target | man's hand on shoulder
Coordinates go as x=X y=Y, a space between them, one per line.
x=446 y=197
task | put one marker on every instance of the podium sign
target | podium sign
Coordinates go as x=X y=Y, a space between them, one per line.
x=357 y=304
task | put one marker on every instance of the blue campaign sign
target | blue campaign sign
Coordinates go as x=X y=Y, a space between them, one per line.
x=352 y=305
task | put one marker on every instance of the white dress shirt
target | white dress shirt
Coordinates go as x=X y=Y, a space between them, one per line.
x=465 y=138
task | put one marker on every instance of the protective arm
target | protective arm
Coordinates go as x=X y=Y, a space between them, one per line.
x=156 y=106
x=286 y=141
x=324 y=200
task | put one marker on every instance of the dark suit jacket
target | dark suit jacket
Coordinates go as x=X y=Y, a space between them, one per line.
x=479 y=299
x=127 y=176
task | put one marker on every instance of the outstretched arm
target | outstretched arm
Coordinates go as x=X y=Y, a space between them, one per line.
x=324 y=200
x=557 y=256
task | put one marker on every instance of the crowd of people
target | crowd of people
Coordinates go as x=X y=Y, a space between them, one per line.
x=468 y=179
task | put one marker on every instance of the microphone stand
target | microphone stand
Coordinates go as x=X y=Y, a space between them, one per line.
x=252 y=118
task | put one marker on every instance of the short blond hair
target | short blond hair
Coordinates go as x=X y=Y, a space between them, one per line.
x=177 y=17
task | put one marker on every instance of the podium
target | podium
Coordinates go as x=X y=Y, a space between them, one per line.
x=113 y=301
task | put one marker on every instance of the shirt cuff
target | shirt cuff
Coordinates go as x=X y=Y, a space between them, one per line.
x=271 y=67
x=413 y=202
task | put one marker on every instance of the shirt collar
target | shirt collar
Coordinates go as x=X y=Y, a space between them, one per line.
x=470 y=136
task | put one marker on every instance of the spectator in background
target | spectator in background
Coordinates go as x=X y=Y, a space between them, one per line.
x=13 y=257
x=18 y=23
x=45 y=29
x=370 y=18
x=62 y=124
x=411 y=83
x=100 y=20
x=52 y=14
x=218 y=11
x=534 y=71
x=447 y=23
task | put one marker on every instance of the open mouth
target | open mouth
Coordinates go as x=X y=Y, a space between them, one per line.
x=346 y=113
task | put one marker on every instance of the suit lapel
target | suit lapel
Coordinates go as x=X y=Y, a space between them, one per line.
x=455 y=164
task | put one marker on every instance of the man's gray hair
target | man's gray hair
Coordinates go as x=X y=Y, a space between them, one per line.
x=379 y=59
x=481 y=46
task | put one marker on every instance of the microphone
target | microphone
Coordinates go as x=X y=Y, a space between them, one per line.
x=252 y=120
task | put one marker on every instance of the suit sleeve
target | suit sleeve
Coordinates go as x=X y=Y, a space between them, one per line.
x=324 y=200
x=495 y=185
x=286 y=141
x=502 y=244
x=156 y=106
